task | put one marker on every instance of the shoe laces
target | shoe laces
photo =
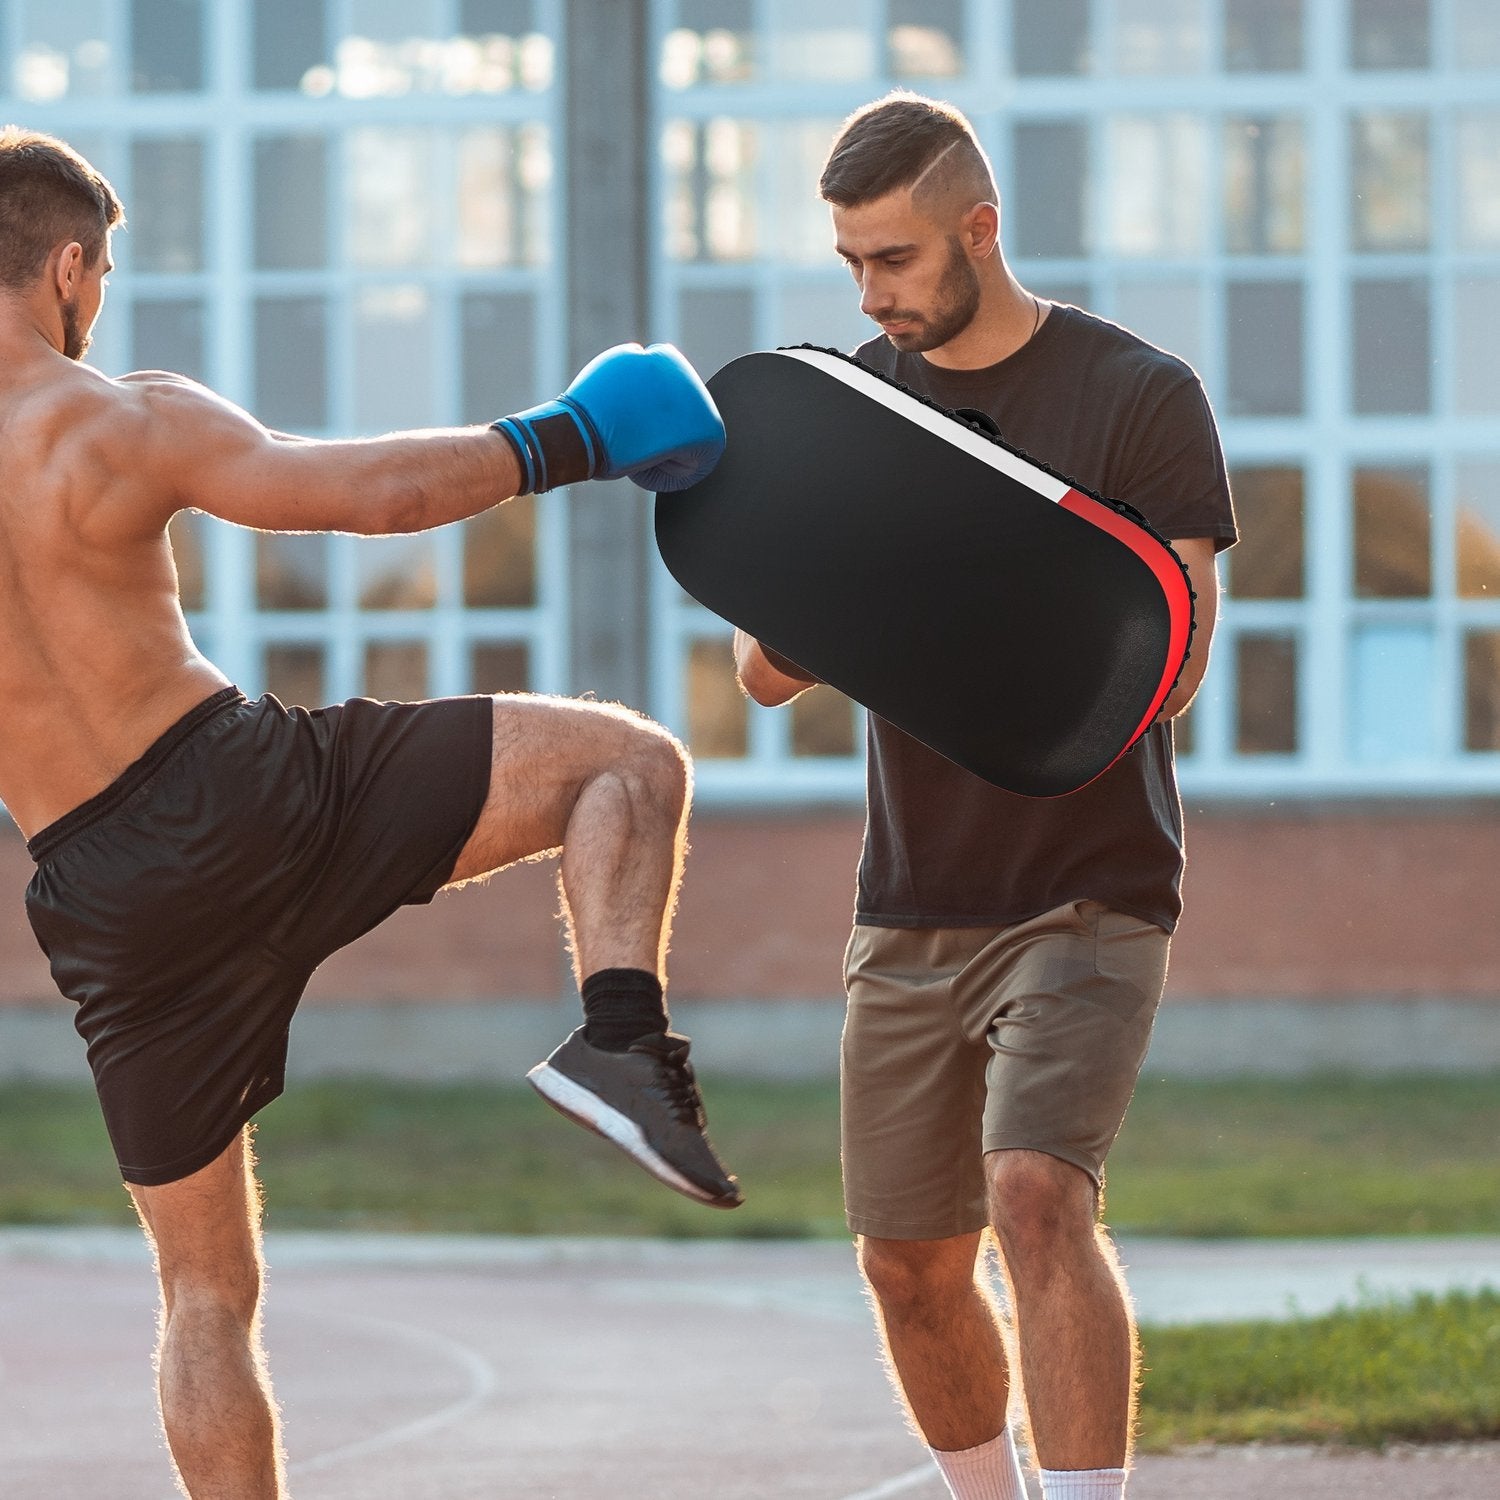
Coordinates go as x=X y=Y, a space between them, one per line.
x=674 y=1078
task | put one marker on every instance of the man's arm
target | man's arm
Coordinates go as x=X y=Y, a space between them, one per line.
x=1197 y=553
x=765 y=675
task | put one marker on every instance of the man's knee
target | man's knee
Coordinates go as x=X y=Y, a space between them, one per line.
x=1038 y=1204
x=908 y=1277
x=650 y=764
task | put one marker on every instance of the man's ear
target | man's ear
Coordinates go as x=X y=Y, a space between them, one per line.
x=980 y=231
x=70 y=267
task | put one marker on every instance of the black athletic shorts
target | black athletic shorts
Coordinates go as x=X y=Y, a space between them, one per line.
x=185 y=907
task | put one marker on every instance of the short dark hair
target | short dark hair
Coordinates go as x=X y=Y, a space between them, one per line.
x=49 y=196
x=906 y=141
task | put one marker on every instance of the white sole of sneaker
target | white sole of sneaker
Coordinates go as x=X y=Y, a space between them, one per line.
x=589 y=1110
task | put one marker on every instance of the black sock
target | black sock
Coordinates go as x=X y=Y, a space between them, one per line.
x=620 y=1006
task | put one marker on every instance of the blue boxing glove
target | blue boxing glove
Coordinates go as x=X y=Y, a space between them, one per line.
x=635 y=413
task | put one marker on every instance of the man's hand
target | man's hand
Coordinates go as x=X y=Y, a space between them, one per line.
x=767 y=676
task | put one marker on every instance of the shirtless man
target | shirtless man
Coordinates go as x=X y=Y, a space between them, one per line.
x=199 y=855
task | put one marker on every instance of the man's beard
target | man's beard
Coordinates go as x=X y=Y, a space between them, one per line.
x=957 y=302
x=75 y=341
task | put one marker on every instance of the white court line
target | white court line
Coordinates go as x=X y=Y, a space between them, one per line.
x=483 y=1382
x=897 y=1486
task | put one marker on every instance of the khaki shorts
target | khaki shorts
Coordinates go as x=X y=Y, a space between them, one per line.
x=960 y=1041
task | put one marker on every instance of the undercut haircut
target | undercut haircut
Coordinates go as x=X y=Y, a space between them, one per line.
x=49 y=196
x=907 y=141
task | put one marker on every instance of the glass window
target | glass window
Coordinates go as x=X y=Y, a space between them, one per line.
x=820 y=312
x=167 y=207
x=715 y=325
x=1476 y=516
x=1476 y=328
x=296 y=674
x=512 y=18
x=1390 y=33
x=714 y=42
x=803 y=228
x=166 y=46
x=1389 y=181
x=825 y=41
x=1266 y=695
x=1392 y=532
x=710 y=188
x=185 y=532
x=1158 y=182
x=499 y=667
x=396 y=572
x=167 y=333
x=1392 y=716
x=1262 y=36
x=500 y=557
x=291 y=202
x=394 y=379
x=1478 y=142
x=1160 y=36
x=1051 y=188
x=925 y=38
x=291 y=571
x=396 y=670
x=392 y=178
x=63 y=51
x=1168 y=311
x=718 y=721
x=1482 y=690
x=291 y=38
x=504 y=184
x=1391 y=353
x=1263 y=179
x=1263 y=340
x=822 y=723
x=1268 y=562
x=498 y=337
x=1050 y=37
x=291 y=362
x=1476 y=34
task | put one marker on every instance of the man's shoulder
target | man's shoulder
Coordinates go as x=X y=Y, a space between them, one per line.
x=1088 y=335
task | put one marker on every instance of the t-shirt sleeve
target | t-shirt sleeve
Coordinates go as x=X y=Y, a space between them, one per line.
x=1178 y=480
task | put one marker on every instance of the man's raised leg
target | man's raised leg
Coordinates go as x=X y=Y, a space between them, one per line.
x=216 y=1403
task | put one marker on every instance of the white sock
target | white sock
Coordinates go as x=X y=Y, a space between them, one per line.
x=1083 y=1484
x=989 y=1472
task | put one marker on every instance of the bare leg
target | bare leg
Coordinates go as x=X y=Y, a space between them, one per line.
x=216 y=1403
x=942 y=1337
x=610 y=789
x=1078 y=1350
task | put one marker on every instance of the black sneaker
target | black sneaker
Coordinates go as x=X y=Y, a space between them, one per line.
x=646 y=1102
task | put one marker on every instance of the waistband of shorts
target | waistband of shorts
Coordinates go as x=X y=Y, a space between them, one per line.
x=133 y=777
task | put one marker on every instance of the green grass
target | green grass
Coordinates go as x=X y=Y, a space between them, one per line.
x=1425 y=1371
x=1328 y=1156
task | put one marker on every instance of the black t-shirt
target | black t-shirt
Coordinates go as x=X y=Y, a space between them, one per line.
x=1122 y=418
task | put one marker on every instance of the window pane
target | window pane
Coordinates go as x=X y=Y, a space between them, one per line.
x=1160 y=36
x=926 y=38
x=718 y=722
x=822 y=723
x=291 y=362
x=1392 y=715
x=504 y=183
x=396 y=670
x=1389 y=181
x=295 y=674
x=1262 y=36
x=1392 y=358
x=1476 y=508
x=804 y=231
x=1392 y=533
x=168 y=334
x=1169 y=313
x=1266 y=696
x=1158 y=184
x=1389 y=33
x=714 y=43
x=498 y=335
x=167 y=206
x=823 y=40
x=1482 y=690
x=166 y=46
x=393 y=359
x=499 y=667
x=1051 y=188
x=1050 y=37
x=500 y=557
x=291 y=571
x=185 y=532
x=1263 y=176
x=710 y=188
x=396 y=572
x=290 y=38
x=1478 y=141
x=715 y=324
x=822 y=312
x=291 y=203
x=63 y=50
x=1268 y=561
x=1264 y=344
x=1476 y=327
x=392 y=175
x=1476 y=34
